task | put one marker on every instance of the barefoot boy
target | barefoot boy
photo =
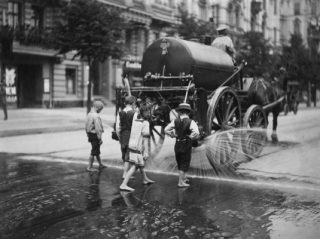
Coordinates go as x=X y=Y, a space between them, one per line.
x=137 y=153
x=94 y=130
x=184 y=130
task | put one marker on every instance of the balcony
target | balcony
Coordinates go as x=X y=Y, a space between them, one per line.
x=29 y=40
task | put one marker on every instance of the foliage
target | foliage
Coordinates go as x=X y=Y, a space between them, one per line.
x=258 y=53
x=192 y=28
x=300 y=62
x=90 y=28
x=93 y=30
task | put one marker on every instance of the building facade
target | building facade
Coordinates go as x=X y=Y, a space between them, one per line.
x=249 y=15
x=149 y=20
x=301 y=17
x=34 y=74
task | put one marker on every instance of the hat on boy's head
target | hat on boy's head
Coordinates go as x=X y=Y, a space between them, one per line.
x=129 y=100
x=98 y=104
x=184 y=106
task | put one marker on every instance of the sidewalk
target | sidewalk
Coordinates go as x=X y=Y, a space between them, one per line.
x=42 y=120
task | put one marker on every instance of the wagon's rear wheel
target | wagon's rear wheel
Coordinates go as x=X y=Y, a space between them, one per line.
x=223 y=117
x=254 y=136
x=154 y=143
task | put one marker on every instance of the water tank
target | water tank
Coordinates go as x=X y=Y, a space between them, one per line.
x=209 y=66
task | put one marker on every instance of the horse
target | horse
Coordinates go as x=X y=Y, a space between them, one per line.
x=270 y=94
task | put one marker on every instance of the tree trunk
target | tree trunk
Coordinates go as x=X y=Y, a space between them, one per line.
x=309 y=94
x=91 y=75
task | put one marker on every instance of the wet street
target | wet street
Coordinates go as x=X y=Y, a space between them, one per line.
x=46 y=193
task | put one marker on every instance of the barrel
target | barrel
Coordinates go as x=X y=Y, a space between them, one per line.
x=171 y=56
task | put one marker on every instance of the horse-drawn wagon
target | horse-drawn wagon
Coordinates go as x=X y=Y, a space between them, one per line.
x=177 y=71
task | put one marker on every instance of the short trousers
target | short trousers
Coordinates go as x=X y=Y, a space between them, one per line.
x=183 y=155
x=125 y=152
x=95 y=144
x=136 y=158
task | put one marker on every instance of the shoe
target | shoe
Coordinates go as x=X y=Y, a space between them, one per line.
x=102 y=166
x=187 y=181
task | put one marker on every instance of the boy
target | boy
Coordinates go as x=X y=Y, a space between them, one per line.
x=184 y=130
x=94 y=130
x=137 y=152
x=123 y=129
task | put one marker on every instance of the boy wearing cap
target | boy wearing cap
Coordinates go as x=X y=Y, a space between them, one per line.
x=184 y=130
x=94 y=130
x=223 y=41
x=123 y=129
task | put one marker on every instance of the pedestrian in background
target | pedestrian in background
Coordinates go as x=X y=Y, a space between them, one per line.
x=94 y=130
x=3 y=99
x=184 y=130
x=138 y=153
x=123 y=129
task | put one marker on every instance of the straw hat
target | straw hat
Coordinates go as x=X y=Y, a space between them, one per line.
x=184 y=106
x=222 y=28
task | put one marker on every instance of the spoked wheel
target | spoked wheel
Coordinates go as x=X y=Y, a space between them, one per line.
x=223 y=117
x=155 y=141
x=254 y=136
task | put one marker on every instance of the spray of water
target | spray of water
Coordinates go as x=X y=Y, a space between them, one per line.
x=218 y=155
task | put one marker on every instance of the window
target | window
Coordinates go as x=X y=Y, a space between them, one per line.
x=296 y=26
x=37 y=17
x=297 y=8
x=215 y=14
x=14 y=14
x=237 y=16
x=275 y=7
x=274 y=36
x=71 y=80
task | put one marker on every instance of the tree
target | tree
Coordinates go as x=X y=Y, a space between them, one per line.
x=192 y=28
x=93 y=30
x=302 y=63
x=258 y=53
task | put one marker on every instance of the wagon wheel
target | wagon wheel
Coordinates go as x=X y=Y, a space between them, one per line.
x=223 y=116
x=155 y=141
x=254 y=138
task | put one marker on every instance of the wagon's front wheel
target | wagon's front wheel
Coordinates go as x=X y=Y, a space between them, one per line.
x=254 y=135
x=223 y=117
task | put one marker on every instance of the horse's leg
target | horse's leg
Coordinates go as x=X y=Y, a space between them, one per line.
x=275 y=114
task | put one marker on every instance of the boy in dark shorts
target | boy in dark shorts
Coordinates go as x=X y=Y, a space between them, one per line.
x=94 y=130
x=184 y=130
x=123 y=129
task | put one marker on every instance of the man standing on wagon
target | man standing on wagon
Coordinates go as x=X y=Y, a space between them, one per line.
x=184 y=130
x=224 y=42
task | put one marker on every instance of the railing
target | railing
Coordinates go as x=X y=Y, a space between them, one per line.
x=27 y=35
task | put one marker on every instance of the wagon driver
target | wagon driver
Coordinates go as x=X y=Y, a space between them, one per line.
x=224 y=42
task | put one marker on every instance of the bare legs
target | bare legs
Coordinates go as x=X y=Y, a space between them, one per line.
x=131 y=171
x=91 y=159
x=125 y=169
x=182 y=179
